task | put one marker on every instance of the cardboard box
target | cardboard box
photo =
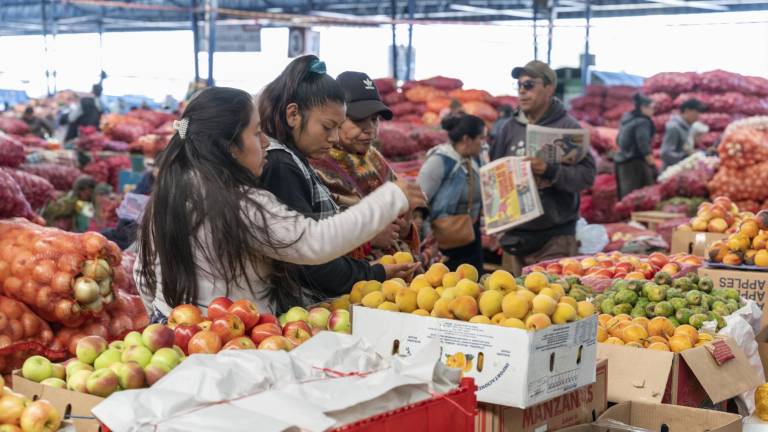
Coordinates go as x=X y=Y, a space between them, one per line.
x=511 y=367
x=752 y=285
x=690 y=378
x=694 y=243
x=579 y=406
x=629 y=416
x=70 y=404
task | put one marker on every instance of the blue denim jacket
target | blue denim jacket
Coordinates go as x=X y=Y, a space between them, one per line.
x=446 y=201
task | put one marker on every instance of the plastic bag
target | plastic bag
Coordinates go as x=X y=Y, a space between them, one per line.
x=64 y=277
x=593 y=238
x=740 y=328
x=132 y=206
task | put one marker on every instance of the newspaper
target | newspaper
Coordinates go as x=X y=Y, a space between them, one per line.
x=510 y=195
x=562 y=146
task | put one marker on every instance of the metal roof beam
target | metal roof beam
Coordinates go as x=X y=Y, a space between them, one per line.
x=693 y=4
x=492 y=12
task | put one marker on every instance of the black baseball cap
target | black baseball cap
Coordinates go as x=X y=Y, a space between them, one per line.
x=363 y=99
x=536 y=69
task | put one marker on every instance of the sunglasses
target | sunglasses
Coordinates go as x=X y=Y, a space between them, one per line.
x=527 y=85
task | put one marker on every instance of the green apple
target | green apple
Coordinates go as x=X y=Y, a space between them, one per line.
x=116 y=367
x=137 y=353
x=131 y=376
x=296 y=313
x=154 y=372
x=131 y=339
x=59 y=371
x=54 y=382
x=118 y=345
x=107 y=358
x=180 y=352
x=90 y=347
x=77 y=382
x=37 y=368
x=102 y=383
x=167 y=357
x=74 y=366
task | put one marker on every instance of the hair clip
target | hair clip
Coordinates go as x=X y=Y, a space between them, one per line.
x=181 y=126
x=317 y=66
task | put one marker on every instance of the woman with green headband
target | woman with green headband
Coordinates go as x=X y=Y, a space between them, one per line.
x=301 y=112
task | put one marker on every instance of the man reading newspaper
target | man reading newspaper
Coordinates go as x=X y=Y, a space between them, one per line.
x=553 y=234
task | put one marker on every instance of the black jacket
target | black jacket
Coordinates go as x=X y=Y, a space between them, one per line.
x=283 y=178
x=635 y=137
x=560 y=201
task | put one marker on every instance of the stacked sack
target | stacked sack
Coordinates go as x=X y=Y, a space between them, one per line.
x=729 y=96
x=603 y=106
x=743 y=173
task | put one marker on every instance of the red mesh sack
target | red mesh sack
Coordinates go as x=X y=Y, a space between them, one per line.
x=64 y=277
x=11 y=152
x=62 y=177
x=12 y=201
x=13 y=126
x=36 y=189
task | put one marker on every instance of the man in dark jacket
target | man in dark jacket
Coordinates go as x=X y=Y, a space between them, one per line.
x=552 y=235
x=635 y=167
x=677 y=131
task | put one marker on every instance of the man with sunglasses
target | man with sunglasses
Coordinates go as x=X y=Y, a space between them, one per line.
x=552 y=235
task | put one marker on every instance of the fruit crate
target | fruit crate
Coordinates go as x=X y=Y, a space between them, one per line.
x=452 y=411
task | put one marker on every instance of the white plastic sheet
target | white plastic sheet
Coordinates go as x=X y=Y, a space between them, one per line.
x=331 y=380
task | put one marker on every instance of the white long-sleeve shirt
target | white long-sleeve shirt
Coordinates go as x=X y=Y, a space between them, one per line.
x=316 y=242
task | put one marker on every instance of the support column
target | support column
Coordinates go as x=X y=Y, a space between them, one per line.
x=213 y=6
x=585 y=79
x=550 y=30
x=409 y=55
x=393 y=5
x=195 y=37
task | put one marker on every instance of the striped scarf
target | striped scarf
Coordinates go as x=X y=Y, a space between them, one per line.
x=321 y=196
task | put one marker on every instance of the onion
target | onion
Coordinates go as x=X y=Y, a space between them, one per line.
x=109 y=298
x=97 y=269
x=86 y=290
x=61 y=282
x=105 y=286
x=43 y=271
x=96 y=306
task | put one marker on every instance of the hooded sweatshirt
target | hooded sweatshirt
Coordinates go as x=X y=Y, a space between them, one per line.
x=636 y=132
x=675 y=137
x=560 y=201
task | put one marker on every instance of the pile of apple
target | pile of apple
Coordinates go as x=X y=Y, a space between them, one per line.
x=534 y=304
x=620 y=266
x=240 y=325
x=101 y=369
x=657 y=333
x=20 y=414
x=719 y=216
x=748 y=245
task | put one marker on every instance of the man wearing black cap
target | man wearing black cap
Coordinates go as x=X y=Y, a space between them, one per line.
x=677 y=132
x=552 y=235
x=354 y=168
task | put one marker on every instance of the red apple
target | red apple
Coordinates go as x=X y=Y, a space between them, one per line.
x=606 y=263
x=204 y=342
x=263 y=331
x=183 y=333
x=240 y=343
x=185 y=314
x=218 y=307
x=247 y=311
x=605 y=273
x=619 y=275
x=228 y=327
x=625 y=267
x=555 y=268
x=297 y=332
x=276 y=343
x=268 y=318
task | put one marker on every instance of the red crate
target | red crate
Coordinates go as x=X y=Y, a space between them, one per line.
x=438 y=414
